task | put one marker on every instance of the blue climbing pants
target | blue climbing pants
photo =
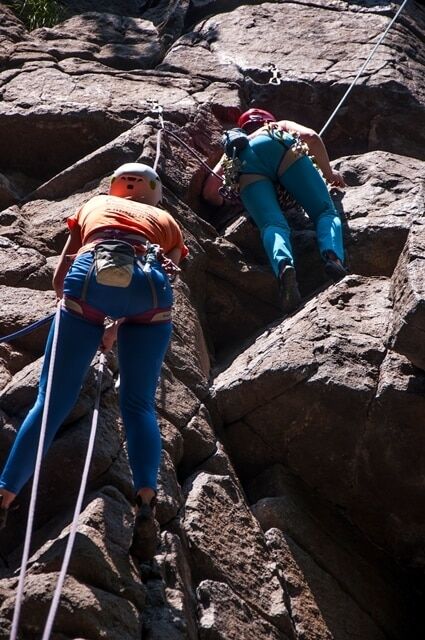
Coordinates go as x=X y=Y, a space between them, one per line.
x=302 y=180
x=141 y=350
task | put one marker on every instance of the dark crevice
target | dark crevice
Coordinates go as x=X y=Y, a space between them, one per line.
x=349 y=593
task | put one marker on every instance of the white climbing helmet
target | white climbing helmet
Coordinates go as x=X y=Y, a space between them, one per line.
x=138 y=181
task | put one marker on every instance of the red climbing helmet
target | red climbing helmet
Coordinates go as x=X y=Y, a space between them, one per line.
x=254 y=118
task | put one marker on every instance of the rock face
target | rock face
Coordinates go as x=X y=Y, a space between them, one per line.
x=313 y=391
x=317 y=49
x=291 y=492
x=408 y=319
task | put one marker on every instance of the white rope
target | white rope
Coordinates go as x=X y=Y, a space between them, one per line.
x=158 y=148
x=74 y=525
x=157 y=108
x=362 y=69
x=31 y=511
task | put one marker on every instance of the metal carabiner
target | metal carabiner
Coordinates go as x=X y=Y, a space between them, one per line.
x=276 y=75
x=158 y=110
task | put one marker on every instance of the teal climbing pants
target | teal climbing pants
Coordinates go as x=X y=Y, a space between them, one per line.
x=262 y=158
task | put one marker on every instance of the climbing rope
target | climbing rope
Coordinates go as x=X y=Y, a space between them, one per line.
x=364 y=65
x=74 y=525
x=31 y=511
x=30 y=523
x=83 y=485
x=158 y=109
x=276 y=79
x=193 y=152
x=28 y=329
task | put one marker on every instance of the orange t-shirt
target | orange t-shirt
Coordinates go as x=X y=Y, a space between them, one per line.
x=111 y=212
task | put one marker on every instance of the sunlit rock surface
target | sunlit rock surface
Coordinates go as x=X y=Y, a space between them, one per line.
x=291 y=493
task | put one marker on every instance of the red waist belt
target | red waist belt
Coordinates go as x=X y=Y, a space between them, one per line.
x=81 y=308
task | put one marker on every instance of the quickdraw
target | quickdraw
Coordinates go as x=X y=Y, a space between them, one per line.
x=276 y=76
x=231 y=170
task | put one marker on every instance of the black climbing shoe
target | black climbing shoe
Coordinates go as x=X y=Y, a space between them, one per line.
x=146 y=532
x=289 y=294
x=334 y=268
x=3 y=514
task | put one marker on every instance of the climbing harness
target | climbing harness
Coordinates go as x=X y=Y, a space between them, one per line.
x=294 y=151
x=114 y=259
x=33 y=499
x=115 y=256
x=28 y=329
x=74 y=525
x=235 y=140
x=362 y=68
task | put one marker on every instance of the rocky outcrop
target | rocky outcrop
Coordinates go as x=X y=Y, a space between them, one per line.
x=317 y=49
x=290 y=493
x=408 y=292
x=315 y=392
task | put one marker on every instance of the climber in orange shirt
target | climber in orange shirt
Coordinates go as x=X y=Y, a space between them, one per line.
x=123 y=249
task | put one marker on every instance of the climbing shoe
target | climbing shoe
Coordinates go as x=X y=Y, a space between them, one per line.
x=146 y=532
x=334 y=268
x=3 y=514
x=289 y=294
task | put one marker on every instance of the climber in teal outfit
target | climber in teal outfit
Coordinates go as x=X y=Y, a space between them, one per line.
x=271 y=155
